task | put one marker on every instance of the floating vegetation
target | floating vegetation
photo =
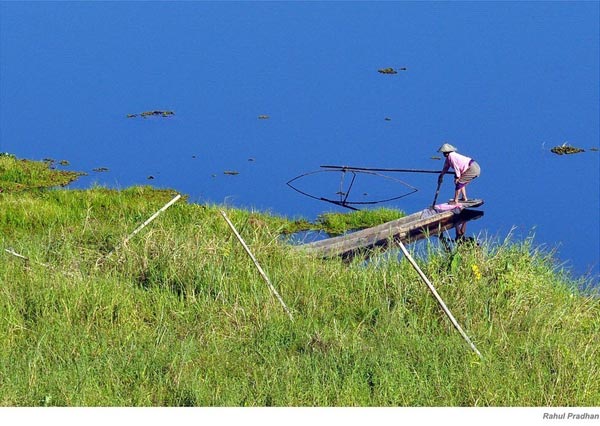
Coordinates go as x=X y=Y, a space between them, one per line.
x=161 y=113
x=157 y=113
x=390 y=70
x=263 y=117
x=231 y=172
x=100 y=169
x=50 y=162
x=64 y=162
x=565 y=148
x=594 y=149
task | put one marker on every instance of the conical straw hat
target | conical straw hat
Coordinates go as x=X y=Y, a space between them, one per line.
x=447 y=148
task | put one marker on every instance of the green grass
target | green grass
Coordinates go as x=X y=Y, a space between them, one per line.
x=338 y=223
x=19 y=175
x=180 y=316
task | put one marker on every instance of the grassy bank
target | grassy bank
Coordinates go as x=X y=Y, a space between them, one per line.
x=180 y=316
x=20 y=174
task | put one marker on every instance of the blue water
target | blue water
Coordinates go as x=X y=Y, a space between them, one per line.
x=497 y=80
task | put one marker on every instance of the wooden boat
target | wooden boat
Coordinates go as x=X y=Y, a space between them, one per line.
x=416 y=226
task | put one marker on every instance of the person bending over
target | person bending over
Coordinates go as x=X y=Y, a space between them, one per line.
x=465 y=169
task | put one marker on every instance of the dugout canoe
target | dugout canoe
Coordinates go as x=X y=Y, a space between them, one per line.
x=416 y=226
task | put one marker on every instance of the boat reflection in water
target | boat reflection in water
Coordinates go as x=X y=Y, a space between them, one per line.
x=460 y=228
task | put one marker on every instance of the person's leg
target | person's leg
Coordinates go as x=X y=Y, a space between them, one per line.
x=457 y=193
x=471 y=173
x=458 y=190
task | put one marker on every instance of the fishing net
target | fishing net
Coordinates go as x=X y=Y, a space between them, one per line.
x=350 y=188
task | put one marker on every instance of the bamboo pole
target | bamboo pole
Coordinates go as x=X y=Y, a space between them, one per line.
x=439 y=299
x=260 y=270
x=143 y=225
x=437 y=192
x=139 y=228
x=20 y=256
x=379 y=169
x=28 y=261
x=25 y=258
x=151 y=218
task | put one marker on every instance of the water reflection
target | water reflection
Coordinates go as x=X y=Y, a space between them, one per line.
x=460 y=228
x=306 y=237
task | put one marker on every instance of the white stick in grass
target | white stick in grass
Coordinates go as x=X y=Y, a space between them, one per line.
x=28 y=261
x=151 y=218
x=139 y=228
x=260 y=270
x=25 y=258
x=439 y=299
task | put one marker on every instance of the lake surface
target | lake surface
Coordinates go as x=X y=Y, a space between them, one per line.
x=272 y=91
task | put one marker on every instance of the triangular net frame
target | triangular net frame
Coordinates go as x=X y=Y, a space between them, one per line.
x=344 y=199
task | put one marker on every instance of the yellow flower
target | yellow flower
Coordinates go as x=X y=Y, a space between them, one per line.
x=476 y=272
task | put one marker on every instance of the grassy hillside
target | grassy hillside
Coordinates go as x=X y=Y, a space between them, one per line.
x=180 y=316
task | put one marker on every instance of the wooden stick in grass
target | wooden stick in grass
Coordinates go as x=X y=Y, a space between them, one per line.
x=142 y=226
x=439 y=299
x=260 y=270
x=151 y=218
x=28 y=261
x=25 y=258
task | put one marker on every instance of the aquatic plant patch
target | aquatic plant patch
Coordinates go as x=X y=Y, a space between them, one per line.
x=153 y=113
x=566 y=149
x=390 y=70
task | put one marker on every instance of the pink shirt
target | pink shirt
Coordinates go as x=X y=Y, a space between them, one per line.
x=460 y=163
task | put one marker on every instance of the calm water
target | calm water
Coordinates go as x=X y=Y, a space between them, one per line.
x=495 y=80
